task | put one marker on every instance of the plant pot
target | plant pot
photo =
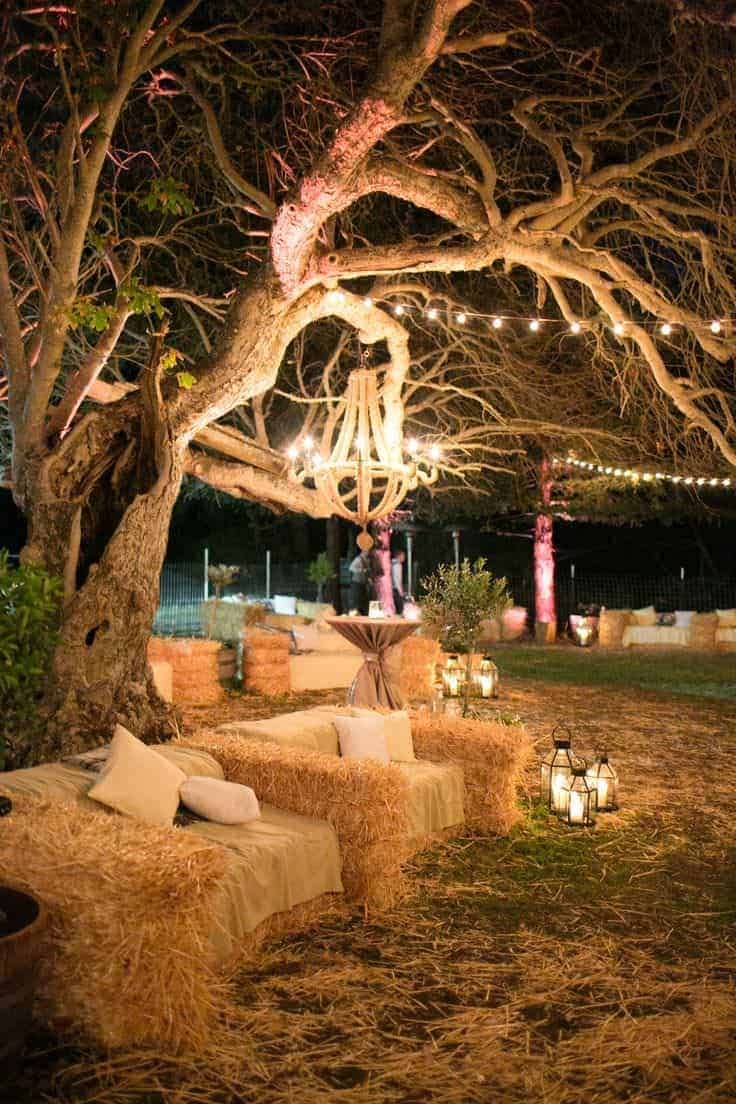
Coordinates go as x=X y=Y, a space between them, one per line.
x=19 y=959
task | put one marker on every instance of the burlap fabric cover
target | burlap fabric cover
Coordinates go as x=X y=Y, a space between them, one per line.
x=372 y=685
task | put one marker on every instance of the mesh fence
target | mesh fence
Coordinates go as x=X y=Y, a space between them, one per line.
x=183 y=589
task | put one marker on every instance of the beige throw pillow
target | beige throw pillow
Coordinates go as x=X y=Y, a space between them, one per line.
x=397 y=728
x=683 y=618
x=219 y=801
x=138 y=781
x=645 y=616
x=362 y=738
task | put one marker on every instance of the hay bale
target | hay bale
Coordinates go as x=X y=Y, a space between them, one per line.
x=419 y=657
x=365 y=802
x=611 y=625
x=703 y=631
x=194 y=668
x=255 y=640
x=130 y=908
x=266 y=662
x=493 y=757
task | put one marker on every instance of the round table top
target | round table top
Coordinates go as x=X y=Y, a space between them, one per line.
x=344 y=619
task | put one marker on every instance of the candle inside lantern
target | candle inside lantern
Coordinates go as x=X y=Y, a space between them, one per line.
x=558 y=790
x=576 y=808
x=604 y=781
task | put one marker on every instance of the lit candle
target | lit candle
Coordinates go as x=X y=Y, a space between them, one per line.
x=602 y=791
x=486 y=686
x=559 y=791
x=576 y=812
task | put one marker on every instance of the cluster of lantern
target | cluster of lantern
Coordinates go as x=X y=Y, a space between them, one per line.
x=484 y=678
x=574 y=790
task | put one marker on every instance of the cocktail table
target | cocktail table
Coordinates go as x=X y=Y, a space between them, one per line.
x=374 y=636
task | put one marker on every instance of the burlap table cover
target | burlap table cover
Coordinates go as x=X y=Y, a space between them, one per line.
x=372 y=685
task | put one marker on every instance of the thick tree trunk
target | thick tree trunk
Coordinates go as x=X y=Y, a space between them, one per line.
x=99 y=511
x=545 y=610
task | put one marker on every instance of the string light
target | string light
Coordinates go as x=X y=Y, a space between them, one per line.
x=535 y=323
x=644 y=476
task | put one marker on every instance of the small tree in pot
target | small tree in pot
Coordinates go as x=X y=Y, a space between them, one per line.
x=320 y=571
x=456 y=600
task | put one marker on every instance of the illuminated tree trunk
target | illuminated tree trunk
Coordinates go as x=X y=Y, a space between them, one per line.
x=545 y=611
x=384 y=582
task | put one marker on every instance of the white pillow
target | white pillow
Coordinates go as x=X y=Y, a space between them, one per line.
x=136 y=780
x=397 y=728
x=362 y=738
x=219 y=801
x=726 y=619
x=645 y=616
x=683 y=618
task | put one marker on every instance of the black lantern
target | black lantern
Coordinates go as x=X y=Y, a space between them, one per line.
x=576 y=803
x=604 y=780
x=556 y=768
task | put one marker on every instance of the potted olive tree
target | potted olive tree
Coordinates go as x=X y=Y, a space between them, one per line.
x=319 y=572
x=456 y=600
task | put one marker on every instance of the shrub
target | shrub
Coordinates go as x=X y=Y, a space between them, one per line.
x=320 y=571
x=30 y=608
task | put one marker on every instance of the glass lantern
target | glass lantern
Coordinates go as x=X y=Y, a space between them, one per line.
x=453 y=678
x=487 y=678
x=556 y=770
x=576 y=804
x=604 y=780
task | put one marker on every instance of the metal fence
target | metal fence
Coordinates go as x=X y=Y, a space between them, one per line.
x=183 y=589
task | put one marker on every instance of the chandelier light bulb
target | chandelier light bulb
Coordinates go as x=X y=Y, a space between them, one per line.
x=435 y=452
x=534 y=325
x=618 y=329
x=665 y=329
x=317 y=461
x=461 y=317
x=413 y=445
x=367 y=302
x=308 y=443
x=432 y=313
x=715 y=326
x=497 y=323
x=575 y=327
x=399 y=309
x=292 y=452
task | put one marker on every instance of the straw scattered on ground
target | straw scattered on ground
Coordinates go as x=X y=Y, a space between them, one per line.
x=547 y=966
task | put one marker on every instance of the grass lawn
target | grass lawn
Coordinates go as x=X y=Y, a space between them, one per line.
x=548 y=967
x=674 y=671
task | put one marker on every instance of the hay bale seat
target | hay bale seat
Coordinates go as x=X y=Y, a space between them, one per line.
x=703 y=627
x=266 y=661
x=147 y=922
x=194 y=668
x=611 y=626
x=377 y=809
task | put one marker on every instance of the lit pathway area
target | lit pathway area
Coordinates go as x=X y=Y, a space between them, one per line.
x=554 y=966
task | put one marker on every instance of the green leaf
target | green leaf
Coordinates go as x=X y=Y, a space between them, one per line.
x=186 y=380
x=169 y=196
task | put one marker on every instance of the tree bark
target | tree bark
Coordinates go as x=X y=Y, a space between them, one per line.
x=109 y=489
x=545 y=610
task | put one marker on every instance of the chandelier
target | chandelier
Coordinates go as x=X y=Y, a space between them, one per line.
x=369 y=470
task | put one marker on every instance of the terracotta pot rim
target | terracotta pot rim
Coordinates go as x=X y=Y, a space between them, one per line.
x=36 y=926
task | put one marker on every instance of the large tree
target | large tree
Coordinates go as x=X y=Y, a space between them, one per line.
x=246 y=173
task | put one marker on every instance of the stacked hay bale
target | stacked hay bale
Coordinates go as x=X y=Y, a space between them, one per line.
x=194 y=668
x=703 y=631
x=418 y=658
x=266 y=662
x=611 y=627
x=225 y=621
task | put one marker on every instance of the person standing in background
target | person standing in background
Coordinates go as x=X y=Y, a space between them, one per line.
x=397 y=580
x=358 y=585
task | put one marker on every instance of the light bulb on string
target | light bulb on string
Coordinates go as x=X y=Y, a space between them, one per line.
x=715 y=326
x=308 y=443
x=461 y=317
x=435 y=452
x=412 y=445
x=534 y=325
x=497 y=323
x=665 y=329
x=399 y=309
x=432 y=314
x=292 y=452
x=575 y=327
x=367 y=302
x=618 y=329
